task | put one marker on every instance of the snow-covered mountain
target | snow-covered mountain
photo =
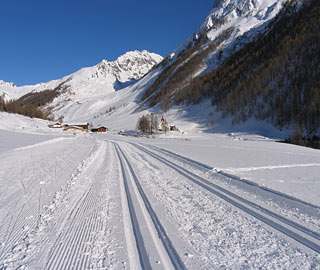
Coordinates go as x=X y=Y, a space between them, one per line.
x=92 y=94
x=238 y=200
x=106 y=76
x=234 y=59
x=238 y=18
x=7 y=84
x=232 y=24
x=100 y=82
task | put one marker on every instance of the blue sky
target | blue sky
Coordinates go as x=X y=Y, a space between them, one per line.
x=42 y=40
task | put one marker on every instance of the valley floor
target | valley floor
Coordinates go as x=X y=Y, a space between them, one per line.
x=116 y=202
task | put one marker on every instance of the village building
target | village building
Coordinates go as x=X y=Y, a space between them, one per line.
x=79 y=126
x=165 y=127
x=173 y=128
x=56 y=125
x=85 y=126
x=74 y=128
x=99 y=129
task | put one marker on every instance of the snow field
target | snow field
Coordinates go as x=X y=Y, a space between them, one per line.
x=289 y=169
x=62 y=206
x=133 y=253
x=286 y=206
x=70 y=248
x=202 y=220
x=34 y=181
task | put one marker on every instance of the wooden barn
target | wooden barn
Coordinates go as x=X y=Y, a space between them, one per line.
x=81 y=125
x=78 y=126
x=56 y=125
x=99 y=129
x=74 y=128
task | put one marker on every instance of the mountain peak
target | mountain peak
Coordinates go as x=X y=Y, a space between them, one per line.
x=130 y=66
x=240 y=12
x=100 y=78
x=10 y=84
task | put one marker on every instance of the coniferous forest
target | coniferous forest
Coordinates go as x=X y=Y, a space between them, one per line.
x=275 y=78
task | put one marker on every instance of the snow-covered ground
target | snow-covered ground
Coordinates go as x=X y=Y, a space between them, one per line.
x=212 y=196
x=290 y=169
x=188 y=200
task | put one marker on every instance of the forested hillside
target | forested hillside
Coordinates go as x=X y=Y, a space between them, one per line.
x=15 y=106
x=275 y=78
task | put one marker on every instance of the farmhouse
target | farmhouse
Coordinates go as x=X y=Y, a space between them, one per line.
x=99 y=129
x=56 y=125
x=173 y=128
x=74 y=128
x=81 y=125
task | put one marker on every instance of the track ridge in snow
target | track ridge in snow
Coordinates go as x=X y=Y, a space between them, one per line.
x=140 y=246
x=169 y=256
x=230 y=176
x=295 y=231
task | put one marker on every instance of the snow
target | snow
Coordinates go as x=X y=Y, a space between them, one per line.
x=209 y=196
x=57 y=188
x=102 y=79
x=292 y=170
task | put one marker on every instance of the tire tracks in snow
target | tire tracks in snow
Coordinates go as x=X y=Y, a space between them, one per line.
x=295 y=231
x=135 y=203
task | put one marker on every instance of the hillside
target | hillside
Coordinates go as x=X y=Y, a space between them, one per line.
x=250 y=67
x=273 y=78
x=104 y=78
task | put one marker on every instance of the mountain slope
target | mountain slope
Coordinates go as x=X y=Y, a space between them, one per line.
x=238 y=61
x=250 y=64
x=230 y=25
x=62 y=98
x=104 y=77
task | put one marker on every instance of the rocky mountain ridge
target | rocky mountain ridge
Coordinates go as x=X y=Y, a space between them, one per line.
x=8 y=84
x=233 y=62
x=103 y=77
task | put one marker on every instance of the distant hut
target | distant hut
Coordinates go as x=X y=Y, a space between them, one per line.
x=173 y=128
x=83 y=126
x=56 y=125
x=74 y=128
x=99 y=129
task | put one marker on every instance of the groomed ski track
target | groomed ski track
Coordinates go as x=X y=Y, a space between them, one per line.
x=102 y=220
x=295 y=231
x=71 y=250
x=127 y=205
x=169 y=256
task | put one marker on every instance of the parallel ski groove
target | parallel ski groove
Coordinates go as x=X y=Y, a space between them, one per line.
x=258 y=207
x=172 y=253
x=143 y=256
x=230 y=176
x=85 y=229
x=255 y=213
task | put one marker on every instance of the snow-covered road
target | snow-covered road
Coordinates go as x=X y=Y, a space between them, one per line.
x=108 y=202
